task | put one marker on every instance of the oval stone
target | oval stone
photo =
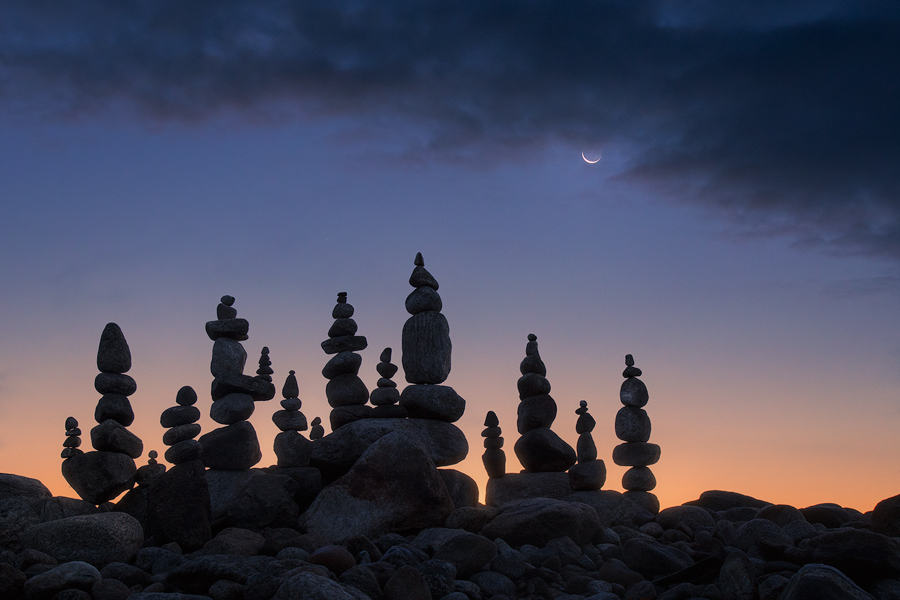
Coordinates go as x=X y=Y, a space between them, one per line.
x=116 y=407
x=633 y=392
x=639 y=479
x=181 y=433
x=422 y=299
x=179 y=415
x=532 y=384
x=232 y=408
x=115 y=383
x=632 y=424
x=636 y=454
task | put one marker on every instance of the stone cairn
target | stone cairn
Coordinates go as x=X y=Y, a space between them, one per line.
x=633 y=428
x=590 y=473
x=345 y=391
x=426 y=353
x=494 y=458
x=291 y=448
x=316 y=432
x=234 y=447
x=181 y=422
x=102 y=475
x=386 y=396
x=539 y=449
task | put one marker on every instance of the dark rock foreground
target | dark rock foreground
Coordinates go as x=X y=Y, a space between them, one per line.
x=589 y=545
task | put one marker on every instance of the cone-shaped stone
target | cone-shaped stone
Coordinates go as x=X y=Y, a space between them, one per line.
x=113 y=355
x=290 y=389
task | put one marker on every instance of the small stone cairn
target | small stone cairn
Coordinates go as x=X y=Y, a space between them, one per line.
x=102 y=475
x=539 y=449
x=426 y=353
x=181 y=422
x=494 y=458
x=234 y=447
x=589 y=474
x=633 y=428
x=345 y=391
x=291 y=448
x=386 y=396
x=316 y=432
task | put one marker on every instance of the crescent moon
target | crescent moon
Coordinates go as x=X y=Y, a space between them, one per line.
x=589 y=161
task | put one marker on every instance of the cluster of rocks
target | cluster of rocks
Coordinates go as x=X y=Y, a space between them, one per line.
x=345 y=391
x=109 y=470
x=234 y=447
x=633 y=428
x=723 y=545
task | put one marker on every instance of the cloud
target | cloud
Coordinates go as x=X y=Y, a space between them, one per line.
x=781 y=120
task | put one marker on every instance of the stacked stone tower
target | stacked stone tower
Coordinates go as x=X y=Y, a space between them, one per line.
x=291 y=448
x=426 y=352
x=494 y=458
x=345 y=391
x=539 y=449
x=102 y=475
x=181 y=421
x=235 y=446
x=386 y=396
x=633 y=428
x=590 y=473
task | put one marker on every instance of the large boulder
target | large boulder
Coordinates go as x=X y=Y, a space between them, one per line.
x=821 y=582
x=335 y=453
x=231 y=448
x=538 y=520
x=393 y=487
x=95 y=539
x=15 y=517
x=719 y=500
x=252 y=499
x=99 y=477
x=517 y=486
x=26 y=489
x=856 y=552
x=886 y=517
x=74 y=575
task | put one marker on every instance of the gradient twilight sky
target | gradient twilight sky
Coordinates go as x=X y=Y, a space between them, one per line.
x=740 y=236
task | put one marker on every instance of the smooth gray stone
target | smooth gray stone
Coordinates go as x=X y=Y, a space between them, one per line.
x=421 y=277
x=532 y=384
x=645 y=500
x=388 y=411
x=494 y=460
x=342 y=363
x=754 y=531
x=538 y=520
x=613 y=508
x=110 y=436
x=259 y=389
x=780 y=514
x=517 y=486
x=541 y=450
x=342 y=310
x=386 y=368
x=186 y=396
x=346 y=390
x=639 y=479
x=113 y=355
x=445 y=443
x=586 y=449
x=97 y=539
x=225 y=311
x=292 y=404
x=115 y=383
x=829 y=515
x=422 y=299
x=692 y=516
x=228 y=357
x=468 y=552
x=232 y=409
x=231 y=448
x=632 y=424
x=587 y=476
x=292 y=449
x=179 y=415
x=179 y=508
x=344 y=415
x=533 y=364
x=184 y=451
x=235 y=329
x=462 y=489
x=822 y=582
x=385 y=396
x=116 y=407
x=535 y=412
x=15 y=517
x=397 y=466
x=438 y=402
x=74 y=575
x=886 y=517
x=345 y=343
x=342 y=327
x=636 y=454
x=426 y=348
x=290 y=420
x=181 y=433
x=99 y=477
x=719 y=500
x=633 y=393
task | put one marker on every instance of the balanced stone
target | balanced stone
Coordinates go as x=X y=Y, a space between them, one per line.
x=99 y=477
x=115 y=383
x=225 y=310
x=343 y=415
x=532 y=384
x=587 y=476
x=228 y=356
x=179 y=415
x=180 y=433
x=347 y=343
x=420 y=276
x=532 y=362
x=342 y=327
x=110 y=436
x=632 y=424
x=640 y=479
x=423 y=299
x=232 y=408
x=541 y=450
x=636 y=454
x=184 y=451
x=292 y=449
x=426 y=348
x=231 y=448
x=585 y=448
x=290 y=420
x=536 y=411
x=116 y=407
x=438 y=402
x=291 y=403
x=151 y=471
x=386 y=392
x=316 y=431
x=342 y=310
x=494 y=458
x=259 y=389
x=113 y=355
x=186 y=396
x=235 y=329
x=342 y=363
x=346 y=390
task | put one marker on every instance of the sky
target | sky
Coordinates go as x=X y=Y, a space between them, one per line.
x=740 y=235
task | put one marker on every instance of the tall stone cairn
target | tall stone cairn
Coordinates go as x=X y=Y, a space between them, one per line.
x=633 y=428
x=345 y=391
x=590 y=473
x=71 y=447
x=181 y=422
x=385 y=396
x=291 y=448
x=234 y=447
x=102 y=475
x=539 y=449
x=426 y=353
x=494 y=458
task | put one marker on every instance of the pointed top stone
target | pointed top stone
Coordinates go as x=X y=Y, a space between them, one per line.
x=227 y=300
x=421 y=277
x=629 y=360
x=71 y=423
x=419 y=262
x=113 y=355
x=532 y=362
x=532 y=337
x=290 y=389
x=385 y=355
x=491 y=420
